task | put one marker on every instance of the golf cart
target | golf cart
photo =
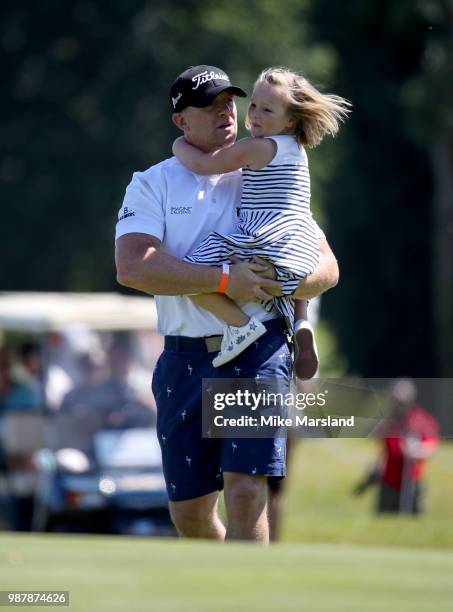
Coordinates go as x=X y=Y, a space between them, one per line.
x=78 y=445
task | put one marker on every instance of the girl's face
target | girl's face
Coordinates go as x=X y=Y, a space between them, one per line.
x=267 y=113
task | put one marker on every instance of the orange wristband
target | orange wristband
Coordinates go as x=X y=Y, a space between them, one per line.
x=224 y=278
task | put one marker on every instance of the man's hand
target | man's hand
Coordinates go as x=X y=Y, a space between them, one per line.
x=324 y=277
x=250 y=282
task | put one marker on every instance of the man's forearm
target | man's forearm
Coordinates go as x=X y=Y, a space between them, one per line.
x=324 y=277
x=142 y=265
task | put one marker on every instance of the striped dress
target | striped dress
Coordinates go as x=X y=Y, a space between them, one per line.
x=275 y=223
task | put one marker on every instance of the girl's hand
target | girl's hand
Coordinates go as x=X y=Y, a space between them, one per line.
x=252 y=281
x=266 y=270
x=246 y=283
x=269 y=270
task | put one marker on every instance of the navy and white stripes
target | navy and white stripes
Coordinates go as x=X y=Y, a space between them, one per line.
x=284 y=187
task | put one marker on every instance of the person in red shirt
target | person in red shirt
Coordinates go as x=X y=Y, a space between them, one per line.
x=411 y=436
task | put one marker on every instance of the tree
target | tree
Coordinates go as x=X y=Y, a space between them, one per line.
x=380 y=203
x=86 y=103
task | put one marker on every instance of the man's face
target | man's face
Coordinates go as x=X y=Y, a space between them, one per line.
x=212 y=127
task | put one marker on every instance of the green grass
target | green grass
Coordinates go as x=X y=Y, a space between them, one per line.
x=320 y=507
x=124 y=574
x=342 y=558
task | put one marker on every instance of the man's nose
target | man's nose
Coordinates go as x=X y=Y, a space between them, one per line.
x=227 y=107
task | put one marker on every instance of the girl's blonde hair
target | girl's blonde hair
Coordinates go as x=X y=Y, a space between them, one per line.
x=316 y=114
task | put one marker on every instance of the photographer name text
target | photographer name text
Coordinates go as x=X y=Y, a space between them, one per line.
x=279 y=421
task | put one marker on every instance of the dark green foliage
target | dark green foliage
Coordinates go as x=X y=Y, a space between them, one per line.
x=85 y=103
x=380 y=200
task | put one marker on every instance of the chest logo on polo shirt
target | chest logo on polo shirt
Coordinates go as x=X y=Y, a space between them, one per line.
x=180 y=210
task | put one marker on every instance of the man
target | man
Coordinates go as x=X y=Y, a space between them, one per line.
x=166 y=213
x=411 y=437
x=14 y=395
x=30 y=370
x=18 y=399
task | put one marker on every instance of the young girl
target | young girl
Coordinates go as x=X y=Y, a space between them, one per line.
x=275 y=221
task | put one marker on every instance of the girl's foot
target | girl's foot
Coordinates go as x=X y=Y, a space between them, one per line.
x=237 y=339
x=306 y=359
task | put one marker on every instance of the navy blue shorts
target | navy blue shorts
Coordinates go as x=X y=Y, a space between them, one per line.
x=193 y=465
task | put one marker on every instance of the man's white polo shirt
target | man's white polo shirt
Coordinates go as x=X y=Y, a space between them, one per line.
x=181 y=208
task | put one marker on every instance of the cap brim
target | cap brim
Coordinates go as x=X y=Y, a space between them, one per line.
x=214 y=92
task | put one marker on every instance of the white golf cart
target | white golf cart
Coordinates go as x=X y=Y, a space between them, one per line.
x=78 y=446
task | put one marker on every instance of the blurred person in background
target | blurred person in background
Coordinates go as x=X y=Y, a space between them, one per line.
x=83 y=398
x=410 y=438
x=124 y=404
x=16 y=467
x=14 y=395
x=64 y=354
x=60 y=372
x=29 y=368
x=103 y=395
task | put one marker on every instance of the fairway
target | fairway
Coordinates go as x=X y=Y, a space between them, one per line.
x=321 y=508
x=106 y=574
x=339 y=556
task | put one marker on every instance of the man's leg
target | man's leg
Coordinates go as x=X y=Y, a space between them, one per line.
x=388 y=498
x=246 y=463
x=198 y=518
x=191 y=464
x=275 y=504
x=246 y=507
x=277 y=492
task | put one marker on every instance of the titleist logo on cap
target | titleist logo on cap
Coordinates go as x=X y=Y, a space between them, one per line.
x=198 y=86
x=204 y=77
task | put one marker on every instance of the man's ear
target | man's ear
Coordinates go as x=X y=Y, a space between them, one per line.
x=179 y=120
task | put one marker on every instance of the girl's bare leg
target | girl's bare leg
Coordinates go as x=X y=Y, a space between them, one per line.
x=301 y=310
x=221 y=306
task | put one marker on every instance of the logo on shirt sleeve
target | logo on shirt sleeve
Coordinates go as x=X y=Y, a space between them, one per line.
x=125 y=212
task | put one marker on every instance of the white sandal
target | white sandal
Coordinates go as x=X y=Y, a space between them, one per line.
x=237 y=339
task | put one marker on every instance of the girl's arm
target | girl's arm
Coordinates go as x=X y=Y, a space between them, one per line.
x=253 y=152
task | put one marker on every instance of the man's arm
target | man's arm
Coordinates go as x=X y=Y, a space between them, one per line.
x=324 y=277
x=419 y=449
x=142 y=264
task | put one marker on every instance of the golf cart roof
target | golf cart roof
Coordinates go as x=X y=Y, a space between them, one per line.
x=52 y=312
